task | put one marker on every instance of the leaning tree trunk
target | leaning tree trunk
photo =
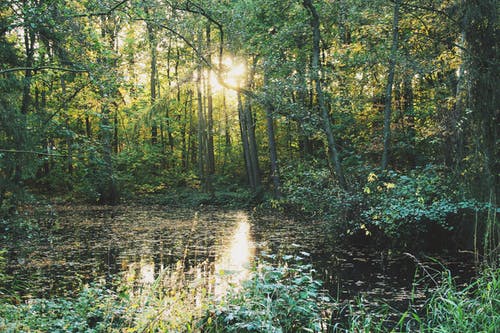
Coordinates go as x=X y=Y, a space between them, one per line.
x=315 y=75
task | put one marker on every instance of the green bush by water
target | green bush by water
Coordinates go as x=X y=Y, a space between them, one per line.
x=286 y=298
x=94 y=310
x=282 y=298
x=403 y=209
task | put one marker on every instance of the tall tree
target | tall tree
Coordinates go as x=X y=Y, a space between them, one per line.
x=390 y=83
x=153 y=73
x=316 y=78
x=482 y=35
x=210 y=111
x=108 y=90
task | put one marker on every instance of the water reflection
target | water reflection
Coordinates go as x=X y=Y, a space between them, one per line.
x=234 y=249
x=233 y=265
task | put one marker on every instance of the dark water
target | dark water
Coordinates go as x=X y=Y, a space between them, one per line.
x=80 y=244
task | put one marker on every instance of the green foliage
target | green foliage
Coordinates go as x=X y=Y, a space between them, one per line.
x=286 y=298
x=404 y=205
x=313 y=191
x=3 y=276
x=143 y=169
x=94 y=310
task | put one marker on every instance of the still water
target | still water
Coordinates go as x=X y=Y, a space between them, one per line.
x=80 y=244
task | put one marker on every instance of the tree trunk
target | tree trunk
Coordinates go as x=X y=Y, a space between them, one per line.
x=244 y=142
x=170 y=136
x=304 y=103
x=227 y=132
x=116 y=143
x=201 y=119
x=29 y=44
x=409 y=113
x=69 y=141
x=315 y=75
x=107 y=187
x=250 y=130
x=153 y=73
x=273 y=154
x=210 y=121
x=482 y=35
x=388 y=89
x=88 y=127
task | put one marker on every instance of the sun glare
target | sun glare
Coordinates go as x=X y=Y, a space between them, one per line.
x=233 y=266
x=232 y=77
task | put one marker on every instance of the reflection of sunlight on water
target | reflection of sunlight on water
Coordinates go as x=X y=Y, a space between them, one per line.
x=147 y=272
x=142 y=271
x=233 y=265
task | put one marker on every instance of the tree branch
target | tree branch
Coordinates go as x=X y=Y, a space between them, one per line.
x=429 y=9
x=13 y=151
x=201 y=11
x=63 y=69
x=102 y=13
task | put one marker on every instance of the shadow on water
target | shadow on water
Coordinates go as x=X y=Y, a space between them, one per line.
x=138 y=243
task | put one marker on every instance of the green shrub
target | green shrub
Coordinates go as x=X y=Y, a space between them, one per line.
x=314 y=191
x=403 y=206
x=94 y=310
x=285 y=298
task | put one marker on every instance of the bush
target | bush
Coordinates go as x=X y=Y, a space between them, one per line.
x=404 y=206
x=313 y=191
x=285 y=298
x=94 y=310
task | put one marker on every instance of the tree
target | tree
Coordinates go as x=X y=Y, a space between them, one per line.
x=482 y=35
x=388 y=90
x=315 y=76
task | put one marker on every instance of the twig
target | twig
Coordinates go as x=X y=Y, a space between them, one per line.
x=13 y=151
x=63 y=69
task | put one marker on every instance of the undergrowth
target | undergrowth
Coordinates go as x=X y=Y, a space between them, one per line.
x=276 y=298
x=449 y=308
x=284 y=298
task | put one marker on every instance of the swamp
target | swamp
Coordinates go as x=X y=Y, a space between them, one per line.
x=249 y=166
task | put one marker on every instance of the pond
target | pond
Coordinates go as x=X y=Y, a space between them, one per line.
x=80 y=244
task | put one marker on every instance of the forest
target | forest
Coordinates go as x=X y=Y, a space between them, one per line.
x=249 y=166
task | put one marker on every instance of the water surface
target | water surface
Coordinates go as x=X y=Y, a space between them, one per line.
x=80 y=244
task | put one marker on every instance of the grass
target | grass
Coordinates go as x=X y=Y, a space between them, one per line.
x=449 y=308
